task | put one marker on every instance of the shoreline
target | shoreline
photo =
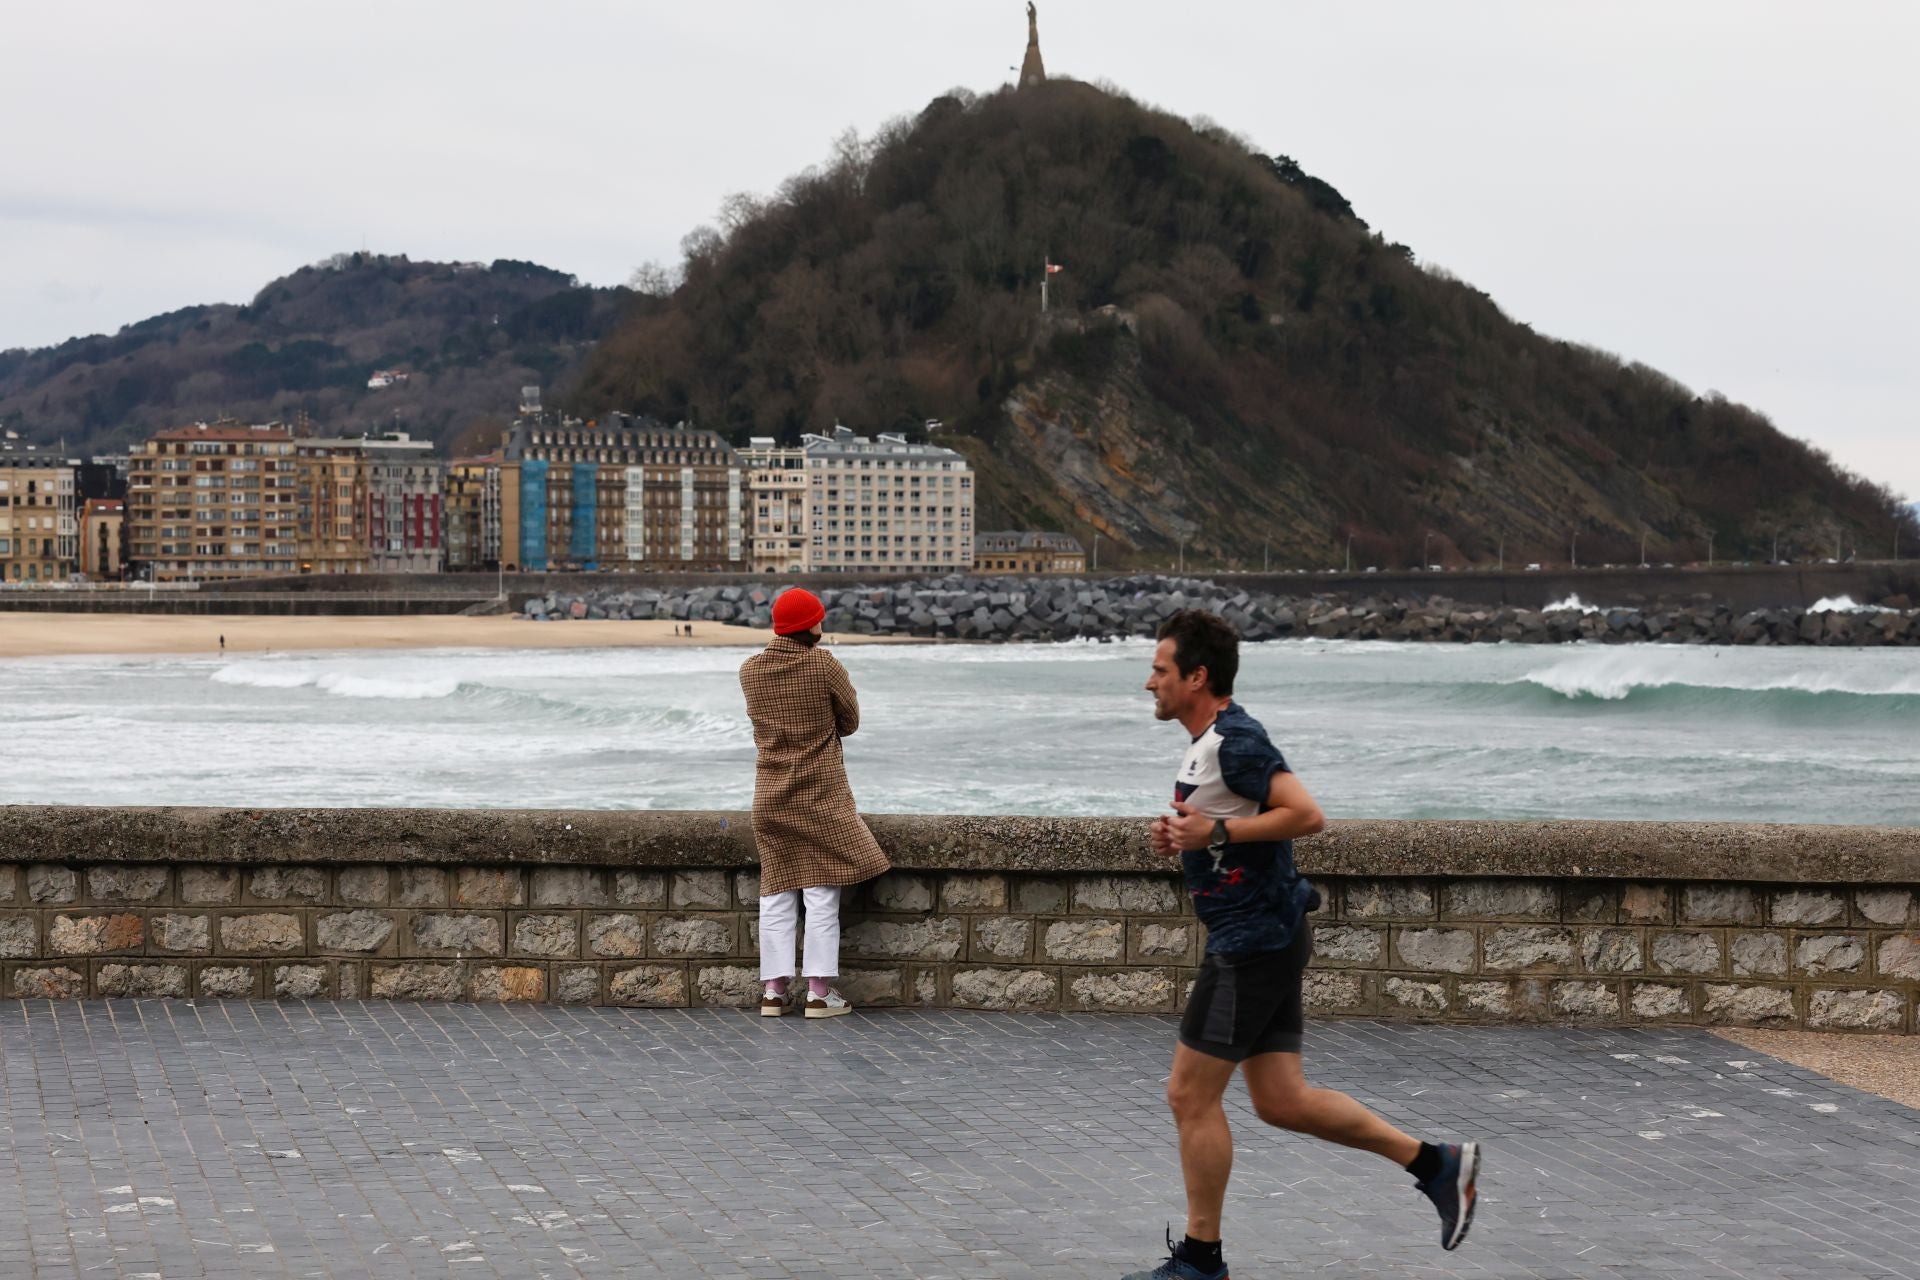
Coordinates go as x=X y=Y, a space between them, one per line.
x=74 y=635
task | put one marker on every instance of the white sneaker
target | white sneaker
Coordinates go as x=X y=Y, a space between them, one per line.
x=773 y=1005
x=831 y=1005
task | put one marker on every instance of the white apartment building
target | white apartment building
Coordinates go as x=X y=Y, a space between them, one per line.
x=777 y=501
x=886 y=506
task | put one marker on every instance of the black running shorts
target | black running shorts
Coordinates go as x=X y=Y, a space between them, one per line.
x=1244 y=1005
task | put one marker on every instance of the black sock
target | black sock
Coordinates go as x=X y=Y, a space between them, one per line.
x=1426 y=1164
x=1204 y=1254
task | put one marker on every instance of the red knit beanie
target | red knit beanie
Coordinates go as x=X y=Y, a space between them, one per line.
x=797 y=610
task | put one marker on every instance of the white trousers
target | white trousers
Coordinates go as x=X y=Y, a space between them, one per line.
x=779 y=925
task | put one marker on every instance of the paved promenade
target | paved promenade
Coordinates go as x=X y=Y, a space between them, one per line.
x=177 y=1140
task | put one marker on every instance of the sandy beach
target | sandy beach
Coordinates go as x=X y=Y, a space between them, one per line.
x=24 y=635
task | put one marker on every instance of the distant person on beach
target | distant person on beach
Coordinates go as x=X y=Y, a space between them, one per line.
x=1237 y=810
x=812 y=842
x=223 y=644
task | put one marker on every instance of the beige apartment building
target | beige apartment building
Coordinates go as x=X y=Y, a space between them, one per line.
x=886 y=506
x=103 y=539
x=39 y=531
x=777 y=507
x=214 y=501
x=1028 y=551
x=332 y=487
x=473 y=514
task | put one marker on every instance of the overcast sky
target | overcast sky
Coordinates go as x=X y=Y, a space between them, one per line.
x=1723 y=189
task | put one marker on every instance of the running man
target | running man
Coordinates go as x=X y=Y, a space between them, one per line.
x=1238 y=809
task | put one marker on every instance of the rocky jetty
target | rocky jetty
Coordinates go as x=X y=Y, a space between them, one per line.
x=1003 y=609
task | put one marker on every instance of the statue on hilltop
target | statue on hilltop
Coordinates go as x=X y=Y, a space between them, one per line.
x=1032 y=70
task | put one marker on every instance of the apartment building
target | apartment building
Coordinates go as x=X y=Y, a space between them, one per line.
x=103 y=542
x=1028 y=551
x=473 y=514
x=886 y=506
x=626 y=494
x=332 y=488
x=214 y=501
x=777 y=507
x=405 y=514
x=39 y=532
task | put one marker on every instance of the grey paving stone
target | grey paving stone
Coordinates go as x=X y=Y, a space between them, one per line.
x=386 y=1139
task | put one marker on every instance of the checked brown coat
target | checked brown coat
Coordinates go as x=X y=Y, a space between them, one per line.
x=804 y=821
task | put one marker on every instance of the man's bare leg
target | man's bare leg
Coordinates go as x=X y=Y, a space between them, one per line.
x=1194 y=1092
x=1282 y=1097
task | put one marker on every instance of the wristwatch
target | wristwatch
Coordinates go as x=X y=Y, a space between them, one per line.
x=1218 y=842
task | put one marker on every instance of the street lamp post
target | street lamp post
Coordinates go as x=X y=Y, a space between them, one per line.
x=1349 y=553
x=1709 y=551
x=1183 y=555
x=1424 y=544
x=1503 y=555
x=1096 y=553
x=1643 y=548
x=1573 y=551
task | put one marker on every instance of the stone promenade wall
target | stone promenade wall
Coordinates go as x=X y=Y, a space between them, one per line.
x=1814 y=927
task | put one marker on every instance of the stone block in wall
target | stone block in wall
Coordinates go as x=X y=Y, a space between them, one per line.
x=287 y=884
x=50 y=884
x=701 y=891
x=204 y=886
x=262 y=933
x=900 y=891
x=1646 y=904
x=733 y=986
x=1333 y=991
x=95 y=935
x=174 y=931
x=1830 y=1010
x=1041 y=895
x=661 y=986
x=140 y=980
x=19 y=937
x=1366 y=899
x=56 y=982
x=1127 y=895
x=1746 y=1006
x=1499 y=900
x=350 y=980
x=1758 y=955
x=1611 y=951
x=963 y=891
x=1899 y=957
x=640 y=888
x=365 y=886
x=299 y=981
x=127 y=882
x=1345 y=944
x=360 y=932
x=926 y=987
x=1436 y=950
x=422 y=887
x=576 y=984
x=1806 y=907
x=7 y=882
x=1485 y=999
x=1122 y=991
x=225 y=981
x=1719 y=904
x=746 y=887
x=1002 y=938
x=409 y=981
x=1817 y=955
x=1004 y=989
x=1686 y=952
x=877 y=987
x=1659 y=1001
x=554 y=936
x=1410 y=996
x=1085 y=941
x=1585 y=1000
x=1527 y=947
x=1162 y=941
x=467 y=933
x=507 y=982
x=1590 y=901
x=569 y=887
x=691 y=935
x=1893 y=907
x=489 y=887
x=619 y=936
x=937 y=939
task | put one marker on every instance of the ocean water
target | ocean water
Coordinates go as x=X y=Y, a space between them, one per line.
x=1374 y=729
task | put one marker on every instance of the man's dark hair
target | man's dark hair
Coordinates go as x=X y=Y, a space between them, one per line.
x=1202 y=639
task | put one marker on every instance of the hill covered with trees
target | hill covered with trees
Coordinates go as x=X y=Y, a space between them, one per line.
x=1234 y=361
x=468 y=335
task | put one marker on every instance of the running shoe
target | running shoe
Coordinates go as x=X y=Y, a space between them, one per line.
x=1452 y=1190
x=1176 y=1267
